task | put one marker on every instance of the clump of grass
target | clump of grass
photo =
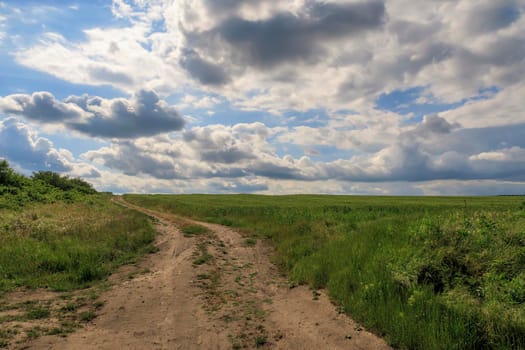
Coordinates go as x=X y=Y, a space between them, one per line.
x=38 y=313
x=250 y=242
x=203 y=259
x=98 y=304
x=70 y=307
x=260 y=340
x=194 y=230
x=204 y=256
x=87 y=316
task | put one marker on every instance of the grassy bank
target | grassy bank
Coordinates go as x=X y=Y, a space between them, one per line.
x=427 y=273
x=59 y=233
x=65 y=246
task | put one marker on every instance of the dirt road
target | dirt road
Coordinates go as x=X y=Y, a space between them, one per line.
x=212 y=291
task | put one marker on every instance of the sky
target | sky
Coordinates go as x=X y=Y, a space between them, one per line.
x=376 y=97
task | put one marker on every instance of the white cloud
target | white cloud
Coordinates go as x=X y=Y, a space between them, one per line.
x=126 y=58
x=428 y=44
x=249 y=150
x=281 y=56
x=505 y=108
x=21 y=145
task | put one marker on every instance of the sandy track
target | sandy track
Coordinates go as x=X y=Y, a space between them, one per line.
x=237 y=299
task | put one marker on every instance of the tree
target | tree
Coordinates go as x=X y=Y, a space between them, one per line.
x=64 y=183
x=8 y=177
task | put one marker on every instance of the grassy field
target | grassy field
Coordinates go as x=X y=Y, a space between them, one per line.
x=64 y=246
x=59 y=234
x=425 y=272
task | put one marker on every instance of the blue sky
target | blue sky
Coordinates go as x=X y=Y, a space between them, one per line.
x=221 y=96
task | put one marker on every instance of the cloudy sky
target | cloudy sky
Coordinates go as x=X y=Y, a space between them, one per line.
x=267 y=96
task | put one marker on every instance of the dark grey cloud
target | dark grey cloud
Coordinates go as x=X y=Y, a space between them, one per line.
x=226 y=156
x=333 y=20
x=288 y=37
x=205 y=72
x=491 y=16
x=408 y=63
x=125 y=156
x=434 y=149
x=478 y=140
x=32 y=153
x=85 y=101
x=412 y=32
x=276 y=171
x=227 y=6
x=438 y=150
x=432 y=124
x=504 y=52
x=40 y=106
x=216 y=146
x=145 y=114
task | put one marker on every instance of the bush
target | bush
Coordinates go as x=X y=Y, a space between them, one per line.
x=16 y=190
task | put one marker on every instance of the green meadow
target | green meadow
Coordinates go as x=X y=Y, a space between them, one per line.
x=424 y=272
x=59 y=233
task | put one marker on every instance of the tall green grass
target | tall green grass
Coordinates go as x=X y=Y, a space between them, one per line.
x=63 y=245
x=427 y=273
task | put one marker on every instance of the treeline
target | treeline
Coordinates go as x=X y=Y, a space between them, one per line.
x=17 y=190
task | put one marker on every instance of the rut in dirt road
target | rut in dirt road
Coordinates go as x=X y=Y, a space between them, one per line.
x=214 y=290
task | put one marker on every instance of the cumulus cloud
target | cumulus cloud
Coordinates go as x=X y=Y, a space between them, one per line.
x=288 y=37
x=205 y=72
x=218 y=145
x=144 y=114
x=282 y=57
x=431 y=150
x=435 y=149
x=246 y=150
x=41 y=106
x=286 y=50
x=487 y=16
x=214 y=151
x=131 y=160
x=22 y=146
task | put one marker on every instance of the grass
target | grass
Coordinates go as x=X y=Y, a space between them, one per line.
x=260 y=340
x=58 y=234
x=204 y=256
x=250 y=242
x=87 y=316
x=65 y=246
x=190 y=230
x=39 y=313
x=425 y=272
